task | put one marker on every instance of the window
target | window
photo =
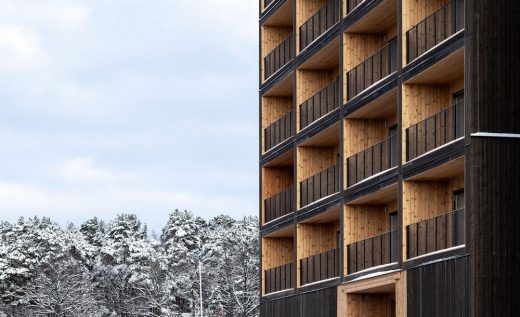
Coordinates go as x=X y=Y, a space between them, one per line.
x=458 y=216
x=394 y=225
x=458 y=113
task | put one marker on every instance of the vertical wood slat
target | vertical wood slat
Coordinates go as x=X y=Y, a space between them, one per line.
x=434 y=29
x=371 y=160
x=323 y=102
x=279 y=204
x=320 y=185
x=279 y=131
x=376 y=67
x=319 y=23
x=433 y=234
x=371 y=252
x=434 y=131
x=279 y=56
x=321 y=266
x=279 y=278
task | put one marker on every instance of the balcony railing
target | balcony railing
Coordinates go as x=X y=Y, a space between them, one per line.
x=321 y=21
x=278 y=57
x=375 y=159
x=437 y=27
x=279 y=278
x=373 y=69
x=371 y=252
x=437 y=130
x=320 y=185
x=320 y=104
x=267 y=3
x=435 y=234
x=279 y=131
x=319 y=267
x=280 y=204
x=352 y=4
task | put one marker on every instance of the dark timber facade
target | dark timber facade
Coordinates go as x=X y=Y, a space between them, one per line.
x=389 y=148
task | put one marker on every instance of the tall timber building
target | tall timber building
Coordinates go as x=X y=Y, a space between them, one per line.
x=389 y=158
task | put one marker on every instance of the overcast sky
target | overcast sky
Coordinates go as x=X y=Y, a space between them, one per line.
x=137 y=106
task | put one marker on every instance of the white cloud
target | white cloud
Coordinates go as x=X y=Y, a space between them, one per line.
x=20 y=49
x=85 y=169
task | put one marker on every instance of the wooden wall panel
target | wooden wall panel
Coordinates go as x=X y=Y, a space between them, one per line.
x=360 y=134
x=276 y=252
x=439 y=289
x=304 y=10
x=364 y=221
x=373 y=305
x=274 y=179
x=314 y=238
x=312 y=160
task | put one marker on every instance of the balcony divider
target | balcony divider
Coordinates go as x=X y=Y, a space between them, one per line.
x=320 y=185
x=352 y=4
x=439 y=129
x=377 y=250
x=374 y=159
x=280 y=204
x=373 y=69
x=279 y=131
x=319 y=267
x=278 y=57
x=437 y=27
x=321 y=21
x=320 y=104
x=435 y=234
x=279 y=278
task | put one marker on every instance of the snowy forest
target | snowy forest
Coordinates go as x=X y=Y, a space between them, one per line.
x=120 y=269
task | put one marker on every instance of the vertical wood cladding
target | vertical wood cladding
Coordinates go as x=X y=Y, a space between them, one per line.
x=439 y=289
x=495 y=227
x=321 y=303
x=492 y=51
x=493 y=48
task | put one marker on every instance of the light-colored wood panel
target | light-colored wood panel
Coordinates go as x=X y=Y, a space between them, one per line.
x=378 y=20
x=317 y=238
x=274 y=179
x=444 y=72
x=312 y=160
x=281 y=17
x=350 y=296
x=361 y=134
x=326 y=58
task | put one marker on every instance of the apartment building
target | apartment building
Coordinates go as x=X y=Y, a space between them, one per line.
x=389 y=139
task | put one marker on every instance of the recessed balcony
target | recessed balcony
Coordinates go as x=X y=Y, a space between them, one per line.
x=318 y=167
x=317 y=106
x=278 y=193
x=279 y=269
x=373 y=69
x=371 y=139
x=371 y=230
x=319 y=261
x=435 y=28
x=433 y=210
x=322 y=20
x=435 y=131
